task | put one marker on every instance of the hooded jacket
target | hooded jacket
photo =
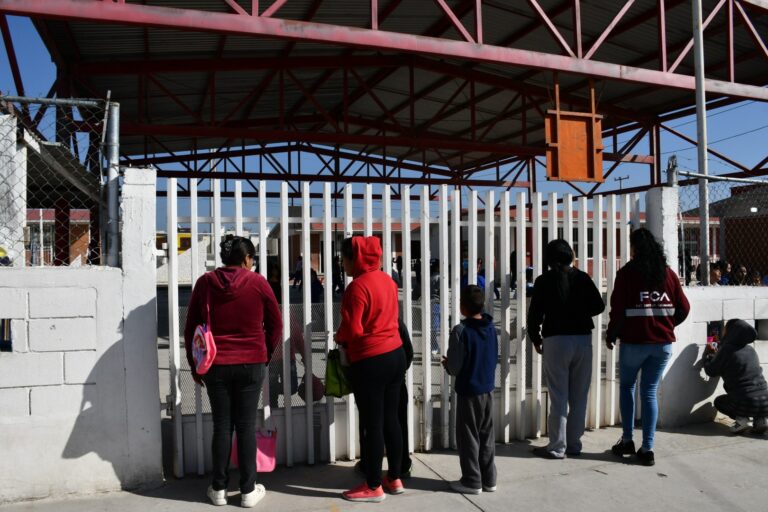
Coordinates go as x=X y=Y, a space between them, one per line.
x=473 y=353
x=245 y=319
x=369 y=308
x=641 y=313
x=737 y=363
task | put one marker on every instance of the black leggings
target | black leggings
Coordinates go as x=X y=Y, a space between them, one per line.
x=377 y=382
x=234 y=393
x=402 y=418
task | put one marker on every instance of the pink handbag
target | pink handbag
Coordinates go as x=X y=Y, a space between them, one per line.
x=266 y=448
x=203 y=345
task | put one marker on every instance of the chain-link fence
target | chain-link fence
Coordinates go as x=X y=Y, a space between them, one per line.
x=52 y=169
x=738 y=223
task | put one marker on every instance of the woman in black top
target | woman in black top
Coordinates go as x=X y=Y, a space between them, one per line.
x=564 y=300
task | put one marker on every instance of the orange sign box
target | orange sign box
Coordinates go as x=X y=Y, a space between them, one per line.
x=574 y=146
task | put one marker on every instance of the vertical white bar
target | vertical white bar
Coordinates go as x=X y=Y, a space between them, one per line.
x=624 y=228
x=595 y=394
x=506 y=317
x=405 y=205
x=42 y=237
x=583 y=237
x=444 y=311
x=238 y=208
x=195 y=269
x=456 y=288
x=568 y=219
x=217 y=220
x=536 y=250
x=426 y=322
x=173 y=329
x=351 y=411
x=328 y=310
x=263 y=270
x=472 y=239
x=552 y=219
x=610 y=397
x=489 y=261
x=635 y=201
x=263 y=233
x=368 y=211
x=387 y=229
x=306 y=282
x=520 y=363
x=286 y=304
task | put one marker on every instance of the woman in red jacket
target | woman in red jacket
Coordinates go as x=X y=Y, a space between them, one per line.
x=246 y=325
x=369 y=335
x=647 y=304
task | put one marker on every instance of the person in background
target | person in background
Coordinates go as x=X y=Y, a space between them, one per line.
x=434 y=300
x=725 y=272
x=755 y=279
x=715 y=275
x=316 y=289
x=369 y=335
x=564 y=300
x=472 y=358
x=465 y=277
x=246 y=325
x=739 y=276
x=399 y=268
x=738 y=364
x=647 y=304
x=298 y=271
x=337 y=274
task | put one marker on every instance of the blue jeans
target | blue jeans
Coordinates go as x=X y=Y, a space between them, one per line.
x=651 y=359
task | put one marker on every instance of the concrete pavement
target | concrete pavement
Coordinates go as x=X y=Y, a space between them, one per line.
x=699 y=468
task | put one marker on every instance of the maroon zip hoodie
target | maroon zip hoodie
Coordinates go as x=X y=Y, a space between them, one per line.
x=646 y=314
x=369 y=308
x=245 y=319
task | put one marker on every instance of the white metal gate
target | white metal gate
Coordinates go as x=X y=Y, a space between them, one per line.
x=312 y=431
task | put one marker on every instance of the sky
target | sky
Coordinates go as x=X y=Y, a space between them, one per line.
x=739 y=131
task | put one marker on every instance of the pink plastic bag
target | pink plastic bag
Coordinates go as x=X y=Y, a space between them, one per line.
x=203 y=349
x=203 y=344
x=266 y=448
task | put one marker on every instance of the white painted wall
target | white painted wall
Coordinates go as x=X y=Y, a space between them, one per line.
x=79 y=404
x=13 y=191
x=686 y=393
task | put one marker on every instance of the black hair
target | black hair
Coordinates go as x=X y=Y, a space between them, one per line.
x=347 y=251
x=234 y=249
x=472 y=299
x=558 y=257
x=649 y=258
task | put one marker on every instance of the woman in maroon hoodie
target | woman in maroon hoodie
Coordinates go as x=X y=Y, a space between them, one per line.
x=369 y=335
x=647 y=304
x=246 y=325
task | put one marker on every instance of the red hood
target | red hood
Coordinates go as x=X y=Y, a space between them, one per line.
x=367 y=252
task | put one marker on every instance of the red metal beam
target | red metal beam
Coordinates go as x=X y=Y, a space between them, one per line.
x=188 y=19
x=11 y=53
x=751 y=28
x=551 y=27
x=609 y=28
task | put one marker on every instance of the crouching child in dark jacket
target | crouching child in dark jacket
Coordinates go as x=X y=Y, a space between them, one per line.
x=472 y=357
x=737 y=363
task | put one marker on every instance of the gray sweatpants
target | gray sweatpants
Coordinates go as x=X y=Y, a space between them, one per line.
x=476 y=440
x=567 y=362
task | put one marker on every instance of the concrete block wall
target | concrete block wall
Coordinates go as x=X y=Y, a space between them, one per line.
x=686 y=393
x=79 y=404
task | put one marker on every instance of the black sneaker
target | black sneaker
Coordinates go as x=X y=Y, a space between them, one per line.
x=645 y=457
x=406 y=473
x=623 y=448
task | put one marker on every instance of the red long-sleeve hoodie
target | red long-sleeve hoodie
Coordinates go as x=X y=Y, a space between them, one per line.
x=646 y=314
x=369 y=308
x=245 y=319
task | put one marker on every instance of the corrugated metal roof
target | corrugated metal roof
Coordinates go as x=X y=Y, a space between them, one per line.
x=510 y=23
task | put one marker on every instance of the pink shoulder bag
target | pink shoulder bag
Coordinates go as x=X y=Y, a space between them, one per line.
x=203 y=345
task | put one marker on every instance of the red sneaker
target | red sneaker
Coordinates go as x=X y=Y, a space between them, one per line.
x=363 y=493
x=392 y=486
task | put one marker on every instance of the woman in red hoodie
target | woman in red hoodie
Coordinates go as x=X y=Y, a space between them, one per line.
x=647 y=304
x=246 y=325
x=369 y=335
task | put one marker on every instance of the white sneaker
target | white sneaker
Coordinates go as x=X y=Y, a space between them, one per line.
x=252 y=498
x=218 y=498
x=740 y=426
x=489 y=488
x=457 y=486
x=760 y=426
